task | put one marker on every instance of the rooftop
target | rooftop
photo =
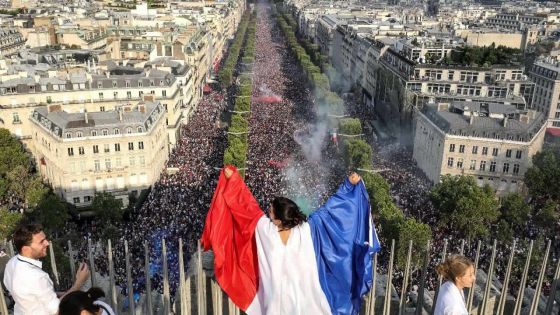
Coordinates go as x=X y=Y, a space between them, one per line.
x=485 y=120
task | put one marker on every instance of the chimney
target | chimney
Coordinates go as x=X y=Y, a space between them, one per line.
x=120 y=111
x=86 y=117
x=54 y=108
x=505 y=122
x=471 y=119
x=142 y=108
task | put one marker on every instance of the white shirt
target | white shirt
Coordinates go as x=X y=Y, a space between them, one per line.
x=288 y=276
x=450 y=300
x=30 y=286
x=107 y=310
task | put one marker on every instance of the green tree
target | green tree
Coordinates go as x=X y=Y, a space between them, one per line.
x=417 y=232
x=8 y=222
x=514 y=210
x=543 y=177
x=358 y=153
x=464 y=206
x=35 y=192
x=547 y=217
x=350 y=126
x=52 y=212
x=107 y=207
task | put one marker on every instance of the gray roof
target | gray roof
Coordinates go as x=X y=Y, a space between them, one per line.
x=61 y=122
x=454 y=122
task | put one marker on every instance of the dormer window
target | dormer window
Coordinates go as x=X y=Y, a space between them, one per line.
x=105 y=132
x=140 y=129
x=128 y=130
x=94 y=133
x=68 y=135
x=79 y=134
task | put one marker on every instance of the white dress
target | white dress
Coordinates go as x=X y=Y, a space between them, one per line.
x=288 y=276
x=450 y=300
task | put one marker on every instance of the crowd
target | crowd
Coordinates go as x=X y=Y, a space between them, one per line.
x=276 y=165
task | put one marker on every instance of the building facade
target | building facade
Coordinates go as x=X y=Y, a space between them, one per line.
x=121 y=151
x=546 y=75
x=492 y=142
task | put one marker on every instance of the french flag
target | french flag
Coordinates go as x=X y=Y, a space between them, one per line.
x=324 y=268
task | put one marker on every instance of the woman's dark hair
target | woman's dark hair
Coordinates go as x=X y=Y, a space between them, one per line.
x=287 y=212
x=75 y=302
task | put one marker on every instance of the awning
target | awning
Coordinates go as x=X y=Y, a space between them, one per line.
x=553 y=131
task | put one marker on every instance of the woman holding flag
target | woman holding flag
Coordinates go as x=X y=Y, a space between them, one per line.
x=290 y=264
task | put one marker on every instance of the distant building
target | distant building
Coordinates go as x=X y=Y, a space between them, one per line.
x=492 y=142
x=546 y=75
x=121 y=151
x=11 y=41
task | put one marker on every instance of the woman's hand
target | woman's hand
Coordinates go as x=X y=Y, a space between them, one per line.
x=228 y=172
x=354 y=178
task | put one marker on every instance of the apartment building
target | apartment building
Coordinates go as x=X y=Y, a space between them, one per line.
x=120 y=151
x=546 y=75
x=170 y=83
x=493 y=142
x=11 y=41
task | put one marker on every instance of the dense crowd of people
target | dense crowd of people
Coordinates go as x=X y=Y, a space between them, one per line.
x=276 y=166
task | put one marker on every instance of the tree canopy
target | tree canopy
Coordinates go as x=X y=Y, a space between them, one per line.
x=464 y=206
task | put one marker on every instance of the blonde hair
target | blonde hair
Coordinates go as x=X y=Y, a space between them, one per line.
x=453 y=267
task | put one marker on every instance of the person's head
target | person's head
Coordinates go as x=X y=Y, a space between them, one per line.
x=81 y=303
x=285 y=214
x=458 y=269
x=31 y=241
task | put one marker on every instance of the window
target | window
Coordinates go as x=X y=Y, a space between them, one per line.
x=114 y=84
x=495 y=152
x=140 y=129
x=140 y=83
x=484 y=150
x=117 y=147
x=450 y=162
x=117 y=131
x=131 y=161
x=515 y=169
x=115 y=95
x=450 y=75
x=141 y=161
x=97 y=165
x=127 y=84
x=129 y=130
x=482 y=166
x=100 y=95
x=462 y=148
x=96 y=149
x=105 y=132
x=129 y=94
x=508 y=153
x=164 y=93
x=472 y=166
x=492 y=166
x=518 y=154
x=475 y=149
x=141 y=145
x=459 y=163
x=76 y=199
x=68 y=135
x=452 y=148
x=94 y=133
x=87 y=198
x=79 y=134
x=108 y=163
x=106 y=148
x=101 y=108
x=15 y=118
x=131 y=146
x=506 y=168
x=70 y=151
x=81 y=151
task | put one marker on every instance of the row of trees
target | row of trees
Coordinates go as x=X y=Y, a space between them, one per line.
x=236 y=152
x=329 y=102
x=225 y=76
x=392 y=222
x=357 y=152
